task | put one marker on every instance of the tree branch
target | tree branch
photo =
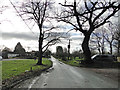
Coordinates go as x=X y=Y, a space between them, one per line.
x=105 y=20
x=51 y=41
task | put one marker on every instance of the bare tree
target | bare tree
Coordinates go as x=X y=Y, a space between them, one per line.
x=117 y=39
x=2 y=9
x=39 y=11
x=59 y=51
x=109 y=36
x=87 y=17
x=102 y=37
x=97 y=41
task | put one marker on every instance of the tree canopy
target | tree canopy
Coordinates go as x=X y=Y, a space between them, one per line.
x=87 y=17
x=19 y=49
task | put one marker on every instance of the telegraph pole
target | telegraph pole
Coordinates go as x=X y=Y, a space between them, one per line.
x=69 y=50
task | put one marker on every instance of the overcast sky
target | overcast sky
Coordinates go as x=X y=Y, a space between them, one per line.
x=14 y=30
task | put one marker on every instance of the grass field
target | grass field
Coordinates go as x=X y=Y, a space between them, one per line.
x=77 y=62
x=16 y=67
x=118 y=58
x=73 y=62
x=0 y=73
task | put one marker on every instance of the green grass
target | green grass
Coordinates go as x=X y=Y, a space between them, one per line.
x=77 y=58
x=0 y=72
x=77 y=62
x=73 y=62
x=118 y=58
x=16 y=67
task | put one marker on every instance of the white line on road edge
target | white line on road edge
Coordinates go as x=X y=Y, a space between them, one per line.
x=33 y=82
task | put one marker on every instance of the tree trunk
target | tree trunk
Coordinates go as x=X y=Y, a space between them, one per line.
x=102 y=48
x=99 y=50
x=40 y=52
x=86 y=50
x=118 y=51
x=110 y=48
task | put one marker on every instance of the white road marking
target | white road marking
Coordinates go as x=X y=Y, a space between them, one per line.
x=33 y=82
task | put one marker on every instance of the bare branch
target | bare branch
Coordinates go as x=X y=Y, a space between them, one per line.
x=51 y=41
x=66 y=5
x=105 y=20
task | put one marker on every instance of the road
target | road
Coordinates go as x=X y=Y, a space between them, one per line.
x=65 y=76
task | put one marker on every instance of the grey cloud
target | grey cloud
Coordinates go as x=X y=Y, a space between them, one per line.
x=31 y=36
x=25 y=36
x=78 y=38
x=66 y=27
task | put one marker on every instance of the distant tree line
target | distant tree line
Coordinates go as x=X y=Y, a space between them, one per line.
x=62 y=53
x=108 y=37
x=21 y=52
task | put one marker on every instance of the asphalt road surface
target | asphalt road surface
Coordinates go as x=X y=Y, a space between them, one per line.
x=65 y=76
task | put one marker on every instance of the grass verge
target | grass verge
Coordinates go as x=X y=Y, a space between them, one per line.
x=118 y=58
x=77 y=62
x=0 y=74
x=16 y=71
x=16 y=67
x=73 y=62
